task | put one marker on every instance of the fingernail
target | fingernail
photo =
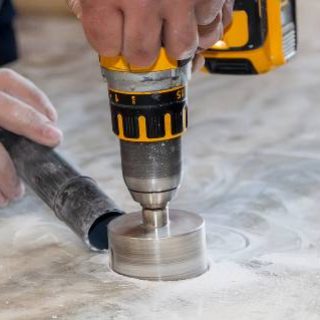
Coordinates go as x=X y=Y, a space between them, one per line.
x=20 y=191
x=3 y=201
x=53 y=133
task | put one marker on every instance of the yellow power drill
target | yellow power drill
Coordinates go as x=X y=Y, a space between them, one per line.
x=149 y=116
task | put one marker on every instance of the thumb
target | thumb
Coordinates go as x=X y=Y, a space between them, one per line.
x=197 y=62
x=75 y=7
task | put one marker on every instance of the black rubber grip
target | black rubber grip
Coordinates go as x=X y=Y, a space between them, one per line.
x=153 y=107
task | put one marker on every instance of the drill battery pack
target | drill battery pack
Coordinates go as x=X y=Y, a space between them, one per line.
x=262 y=37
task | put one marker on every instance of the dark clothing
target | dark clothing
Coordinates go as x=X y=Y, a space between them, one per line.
x=8 y=47
x=6 y=12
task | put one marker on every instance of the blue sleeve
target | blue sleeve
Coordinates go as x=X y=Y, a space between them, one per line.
x=6 y=12
x=8 y=47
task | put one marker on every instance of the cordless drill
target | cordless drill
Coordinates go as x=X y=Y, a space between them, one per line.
x=149 y=116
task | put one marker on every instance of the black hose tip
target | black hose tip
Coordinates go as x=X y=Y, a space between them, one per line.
x=98 y=233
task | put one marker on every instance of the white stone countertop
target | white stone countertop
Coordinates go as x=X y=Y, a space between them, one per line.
x=252 y=170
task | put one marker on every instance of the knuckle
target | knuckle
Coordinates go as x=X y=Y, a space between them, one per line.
x=141 y=56
x=188 y=43
x=32 y=120
x=185 y=48
x=39 y=131
x=144 y=5
x=40 y=97
x=2 y=97
x=110 y=51
x=139 y=61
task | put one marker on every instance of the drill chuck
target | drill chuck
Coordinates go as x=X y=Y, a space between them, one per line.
x=152 y=171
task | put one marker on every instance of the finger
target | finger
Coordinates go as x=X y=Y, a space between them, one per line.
x=103 y=26
x=3 y=201
x=75 y=7
x=180 y=31
x=227 y=13
x=207 y=10
x=10 y=185
x=18 y=117
x=210 y=34
x=142 y=35
x=16 y=85
x=197 y=63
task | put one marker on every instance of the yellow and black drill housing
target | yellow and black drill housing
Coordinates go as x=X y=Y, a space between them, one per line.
x=148 y=104
x=262 y=37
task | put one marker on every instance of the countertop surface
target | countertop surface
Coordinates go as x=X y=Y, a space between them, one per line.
x=252 y=170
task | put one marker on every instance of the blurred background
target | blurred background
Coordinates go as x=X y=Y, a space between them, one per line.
x=35 y=10
x=40 y=6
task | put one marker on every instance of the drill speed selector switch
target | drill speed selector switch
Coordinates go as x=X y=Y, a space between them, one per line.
x=149 y=116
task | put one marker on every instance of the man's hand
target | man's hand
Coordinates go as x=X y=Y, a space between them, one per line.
x=24 y=110
x=136 y=29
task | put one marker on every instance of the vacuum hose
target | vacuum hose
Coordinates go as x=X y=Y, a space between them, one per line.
x=75 y=199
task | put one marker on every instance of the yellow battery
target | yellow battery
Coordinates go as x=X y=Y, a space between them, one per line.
x=262 y=37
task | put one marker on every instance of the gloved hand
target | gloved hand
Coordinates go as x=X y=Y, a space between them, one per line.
x=136 y=29
x=27 y=111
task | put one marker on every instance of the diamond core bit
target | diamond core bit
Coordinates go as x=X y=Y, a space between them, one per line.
x=174 y=251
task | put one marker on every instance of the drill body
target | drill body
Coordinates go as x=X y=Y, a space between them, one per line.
x=149 y=105
x=149 y=115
